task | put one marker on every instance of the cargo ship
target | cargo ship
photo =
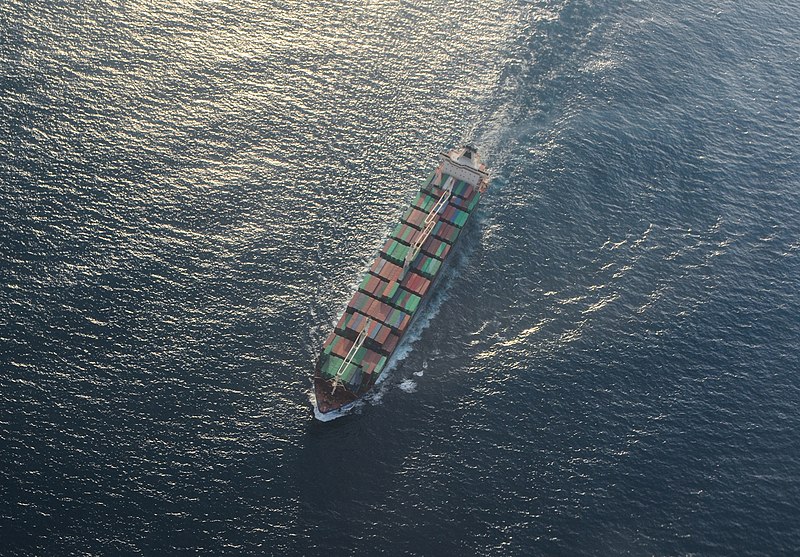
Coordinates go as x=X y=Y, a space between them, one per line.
x=399 y=281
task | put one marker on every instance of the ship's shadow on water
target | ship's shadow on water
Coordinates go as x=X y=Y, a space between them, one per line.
x=343 y=470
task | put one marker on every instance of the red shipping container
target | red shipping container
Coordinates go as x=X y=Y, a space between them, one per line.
x=370 y=360
x=342 y=347
x=416 y=283
x=405 y=234
x=389 y=271
x=383 y=332
x=329 y=339
x=377 y=265
x=378 y=310
x=391 y=343
x=414 y=217
x=380 y=285
x=404 y=323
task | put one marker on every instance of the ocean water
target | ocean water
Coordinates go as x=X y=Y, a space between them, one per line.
x=189 y=191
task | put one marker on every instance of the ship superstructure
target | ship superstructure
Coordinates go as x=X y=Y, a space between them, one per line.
x=399 y=281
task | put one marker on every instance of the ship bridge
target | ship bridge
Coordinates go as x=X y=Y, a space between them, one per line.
x=464 y=164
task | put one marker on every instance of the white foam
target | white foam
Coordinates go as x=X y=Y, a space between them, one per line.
x=328 y=417
x=408 y=386
x=333 y=414
x=375 y=396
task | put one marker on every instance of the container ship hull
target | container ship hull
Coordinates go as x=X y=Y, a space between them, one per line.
x=402 y=277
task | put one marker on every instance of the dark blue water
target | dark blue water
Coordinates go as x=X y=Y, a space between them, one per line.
x=190 y=190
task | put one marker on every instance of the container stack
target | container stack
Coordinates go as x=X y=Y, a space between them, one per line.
x=391 y=292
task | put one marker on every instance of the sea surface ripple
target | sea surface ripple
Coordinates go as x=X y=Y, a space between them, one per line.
x=190 y=190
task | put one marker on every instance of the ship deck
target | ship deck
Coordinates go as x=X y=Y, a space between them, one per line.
x=380 y=311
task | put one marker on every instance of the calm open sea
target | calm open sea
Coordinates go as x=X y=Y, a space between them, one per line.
x=190 y=190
